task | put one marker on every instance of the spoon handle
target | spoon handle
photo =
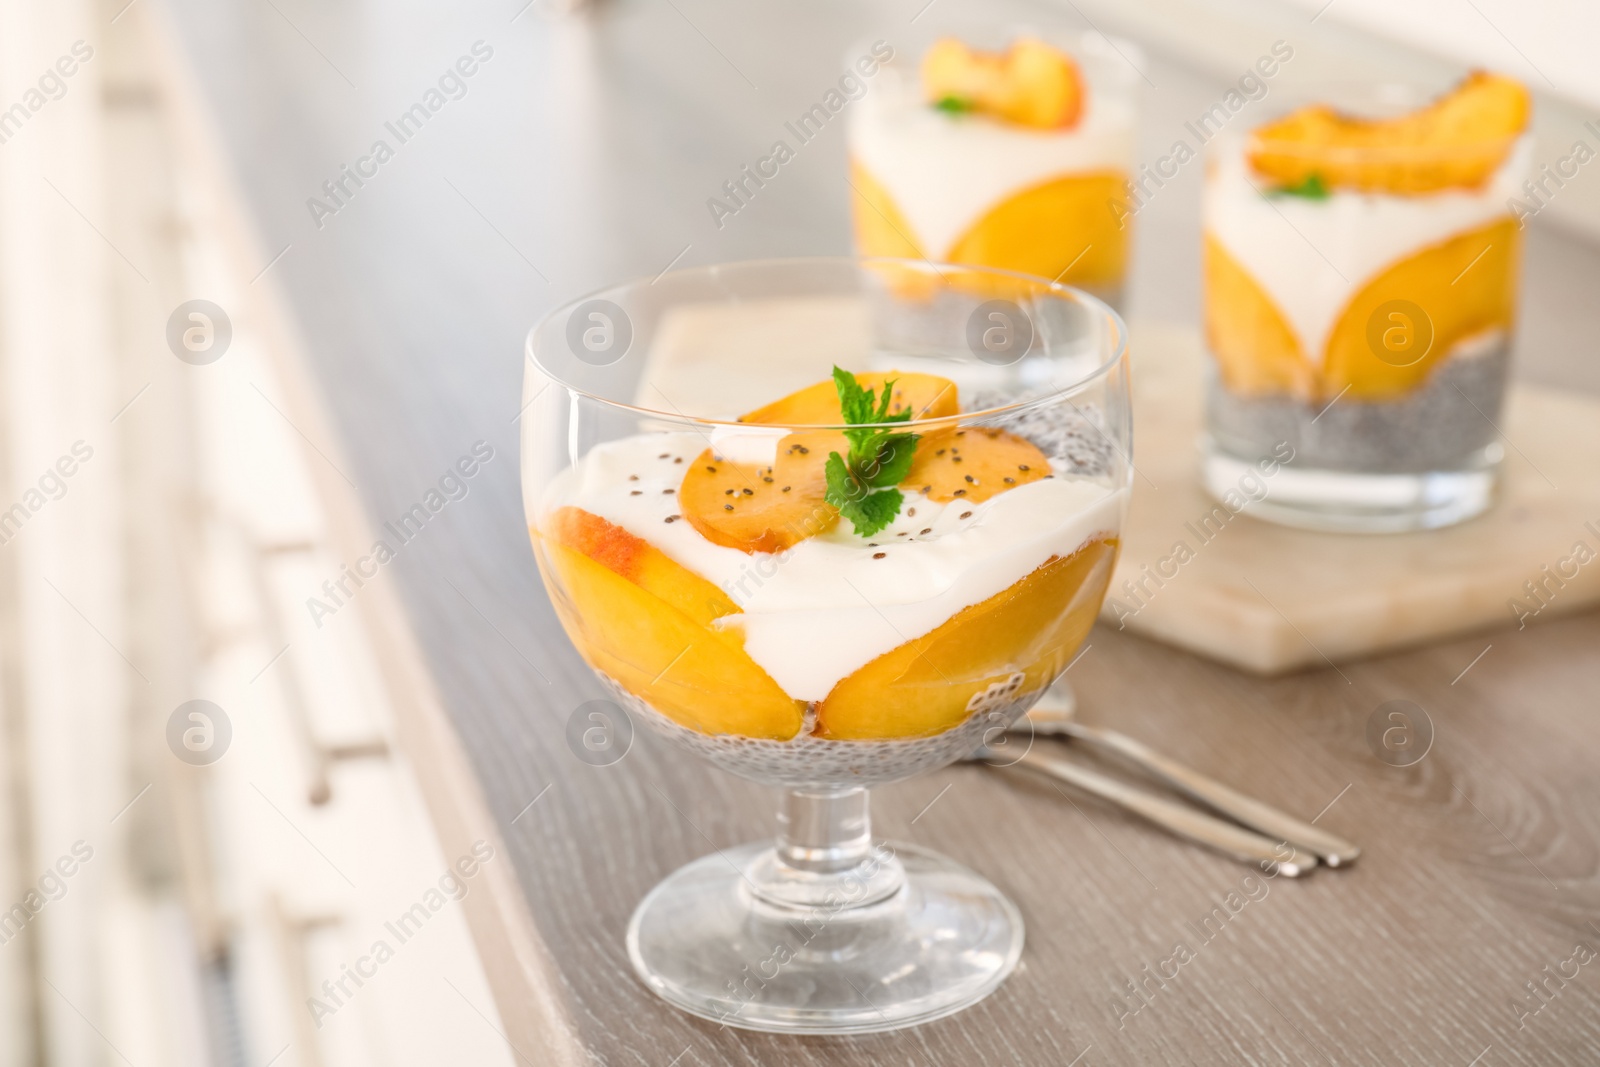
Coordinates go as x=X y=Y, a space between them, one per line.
x=1334 y=850
x=1184 y=821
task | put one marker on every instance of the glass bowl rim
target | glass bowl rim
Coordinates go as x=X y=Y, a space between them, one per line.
x=1072 y=293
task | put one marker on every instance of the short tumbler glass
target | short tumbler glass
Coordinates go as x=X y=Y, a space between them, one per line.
x=827 y=929
x=1360 y=336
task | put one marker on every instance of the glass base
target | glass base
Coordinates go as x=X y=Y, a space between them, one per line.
x=714 y=940
x=1352 y=501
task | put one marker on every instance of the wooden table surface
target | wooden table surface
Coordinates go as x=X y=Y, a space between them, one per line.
x=583 y=153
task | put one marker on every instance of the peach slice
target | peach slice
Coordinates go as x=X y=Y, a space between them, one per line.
x=1030 y=83
x=974 y=463
x=925 y=686
x=640 y=562
x=1466 y=286
x=1066 y=230
x=1458 y=141
x=762 y=508
x=926 y=396
x=699 y=677
x=1256 y=351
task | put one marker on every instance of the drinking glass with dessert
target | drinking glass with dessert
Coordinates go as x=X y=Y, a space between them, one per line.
x=1014 y=156
x=1361 y=274
x=826 y=554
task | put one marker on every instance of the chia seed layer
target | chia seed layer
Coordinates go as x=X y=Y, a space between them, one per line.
x=1436 y=427
x=807 y=760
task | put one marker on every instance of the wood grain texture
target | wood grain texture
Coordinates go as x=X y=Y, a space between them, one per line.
x=1270 y=599
x=584 y=153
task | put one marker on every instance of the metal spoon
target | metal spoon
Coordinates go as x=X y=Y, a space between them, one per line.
x=1186 y=822
x=1054 y=718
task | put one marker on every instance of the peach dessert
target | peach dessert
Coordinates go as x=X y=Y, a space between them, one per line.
x=1361 y=277
x=1015 y=159
x=852 y=583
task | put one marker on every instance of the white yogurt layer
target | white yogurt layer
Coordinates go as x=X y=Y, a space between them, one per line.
x=1311 y=257
x=945 y=172
x=826 y=607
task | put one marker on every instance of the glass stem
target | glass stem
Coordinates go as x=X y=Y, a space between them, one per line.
x=824 y=832
x=824 y=856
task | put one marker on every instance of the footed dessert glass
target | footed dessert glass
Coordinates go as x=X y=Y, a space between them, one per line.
x=1000 y=146
x=827 y=524
x=1361 y=279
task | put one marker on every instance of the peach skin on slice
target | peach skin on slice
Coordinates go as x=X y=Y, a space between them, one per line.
x=1465 y=286
x=926 y=396
x=690 y=673
x=1066 y=230
x=1255 y=350
x=640 y=562
x=924 y=686
x=762 y=507
x=974 y=463
x=1029 y=84
x=1457 y=141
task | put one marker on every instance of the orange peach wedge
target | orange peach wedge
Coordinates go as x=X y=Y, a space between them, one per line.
x=926 y=396
x=644 y=621
x=1029 y=84
x=762 y=507
x=926 y=686
x=974 y=463
x=1458 y=141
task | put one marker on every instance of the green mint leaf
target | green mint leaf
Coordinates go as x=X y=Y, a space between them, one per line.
x=953 y=105
x=873 y=512
x=861 y=485
x=883 y=401
x=893 y=461
x=855 y=403
x=863 y=443
x=843 y=490
x=1313 y=188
